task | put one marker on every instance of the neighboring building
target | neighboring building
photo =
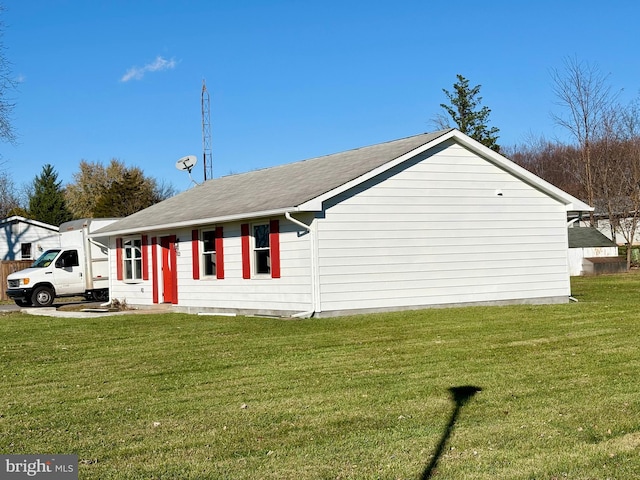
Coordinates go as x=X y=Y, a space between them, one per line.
x=603 y=225
x=430 y=220
x=25 y=239
x=590 y=250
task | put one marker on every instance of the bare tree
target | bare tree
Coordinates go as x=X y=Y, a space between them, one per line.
x=7 y=85
x=585 y=96
x=616 y=161
x=549 y=160
x=10 y=203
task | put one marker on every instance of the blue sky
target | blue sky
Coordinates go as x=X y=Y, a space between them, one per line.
x=289 y=80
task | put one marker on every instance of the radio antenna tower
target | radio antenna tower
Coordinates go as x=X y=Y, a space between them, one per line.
x=207 y=159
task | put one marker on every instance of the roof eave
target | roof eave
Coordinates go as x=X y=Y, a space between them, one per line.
x=18 y=218
x=193 y=223
x=582 y=207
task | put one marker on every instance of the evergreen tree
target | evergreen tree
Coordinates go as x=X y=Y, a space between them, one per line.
x=113 y=190
x=46 y=200
x=125 y=196
x=466 y=114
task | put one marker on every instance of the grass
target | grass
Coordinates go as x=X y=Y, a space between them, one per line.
x=363 y=397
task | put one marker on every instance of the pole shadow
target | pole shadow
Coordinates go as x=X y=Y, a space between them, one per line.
x=460 y=396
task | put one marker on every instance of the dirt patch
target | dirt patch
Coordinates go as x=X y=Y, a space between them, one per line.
x=77 y=306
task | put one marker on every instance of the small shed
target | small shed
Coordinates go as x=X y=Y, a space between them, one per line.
x=591 y=252
x=25 y=239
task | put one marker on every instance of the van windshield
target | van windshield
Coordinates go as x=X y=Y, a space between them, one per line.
x=45 y=259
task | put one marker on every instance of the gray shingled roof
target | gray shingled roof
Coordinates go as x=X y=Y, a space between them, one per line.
x=271 y=189
x=587 y=237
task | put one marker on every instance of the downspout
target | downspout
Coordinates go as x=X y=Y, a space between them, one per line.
x=288 y=216
x=314 y=286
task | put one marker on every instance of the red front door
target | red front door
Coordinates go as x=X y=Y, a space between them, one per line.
x=169 y=270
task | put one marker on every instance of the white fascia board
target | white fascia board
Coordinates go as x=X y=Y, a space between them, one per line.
x=12 y=219
x=194 y=223
x=43 y=225
x=18 y=218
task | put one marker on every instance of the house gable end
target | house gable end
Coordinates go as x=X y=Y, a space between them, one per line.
x=442 y=142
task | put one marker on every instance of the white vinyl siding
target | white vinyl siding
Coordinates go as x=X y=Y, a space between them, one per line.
x=290 y=293
x=263 y=294
x=436 y=233
x=14 y=235
x=138 y=292
x=577 y=256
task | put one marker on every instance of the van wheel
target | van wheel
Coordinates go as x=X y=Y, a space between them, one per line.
x=42 y=297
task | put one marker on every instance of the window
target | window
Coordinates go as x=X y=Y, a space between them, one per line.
x=210 y=257
x=132 y=259
x=209 y=252
x=45 y=259
x=25 y=251
x=261 y=250
x=68 y=259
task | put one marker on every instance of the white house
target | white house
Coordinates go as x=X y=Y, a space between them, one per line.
x=430 y=220
x=587 y=245
x=25 y=239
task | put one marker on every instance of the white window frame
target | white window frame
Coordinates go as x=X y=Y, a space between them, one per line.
x=131 y=259
x=256 y=251
x=29 y=248
x=208 y=252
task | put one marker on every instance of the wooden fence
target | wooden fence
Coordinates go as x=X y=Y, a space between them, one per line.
x=7 y=267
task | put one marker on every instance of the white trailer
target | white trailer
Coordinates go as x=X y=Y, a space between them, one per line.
x=80 y=267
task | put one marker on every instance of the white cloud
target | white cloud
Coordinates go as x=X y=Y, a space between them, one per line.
x=158 y=65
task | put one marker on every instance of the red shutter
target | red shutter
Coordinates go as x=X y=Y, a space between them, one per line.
x=219 y=253
x=145 y=257
x=154 y=269
x=173 y=254
x=119 y=275
x=246 y=254
x=274 y=245
x=195 y=253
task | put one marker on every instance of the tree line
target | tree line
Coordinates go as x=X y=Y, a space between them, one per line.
x=98 y=190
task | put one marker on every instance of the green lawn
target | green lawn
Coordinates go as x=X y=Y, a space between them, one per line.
x=364 y=397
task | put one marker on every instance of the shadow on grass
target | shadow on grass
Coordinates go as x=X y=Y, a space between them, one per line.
x=460 y=396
